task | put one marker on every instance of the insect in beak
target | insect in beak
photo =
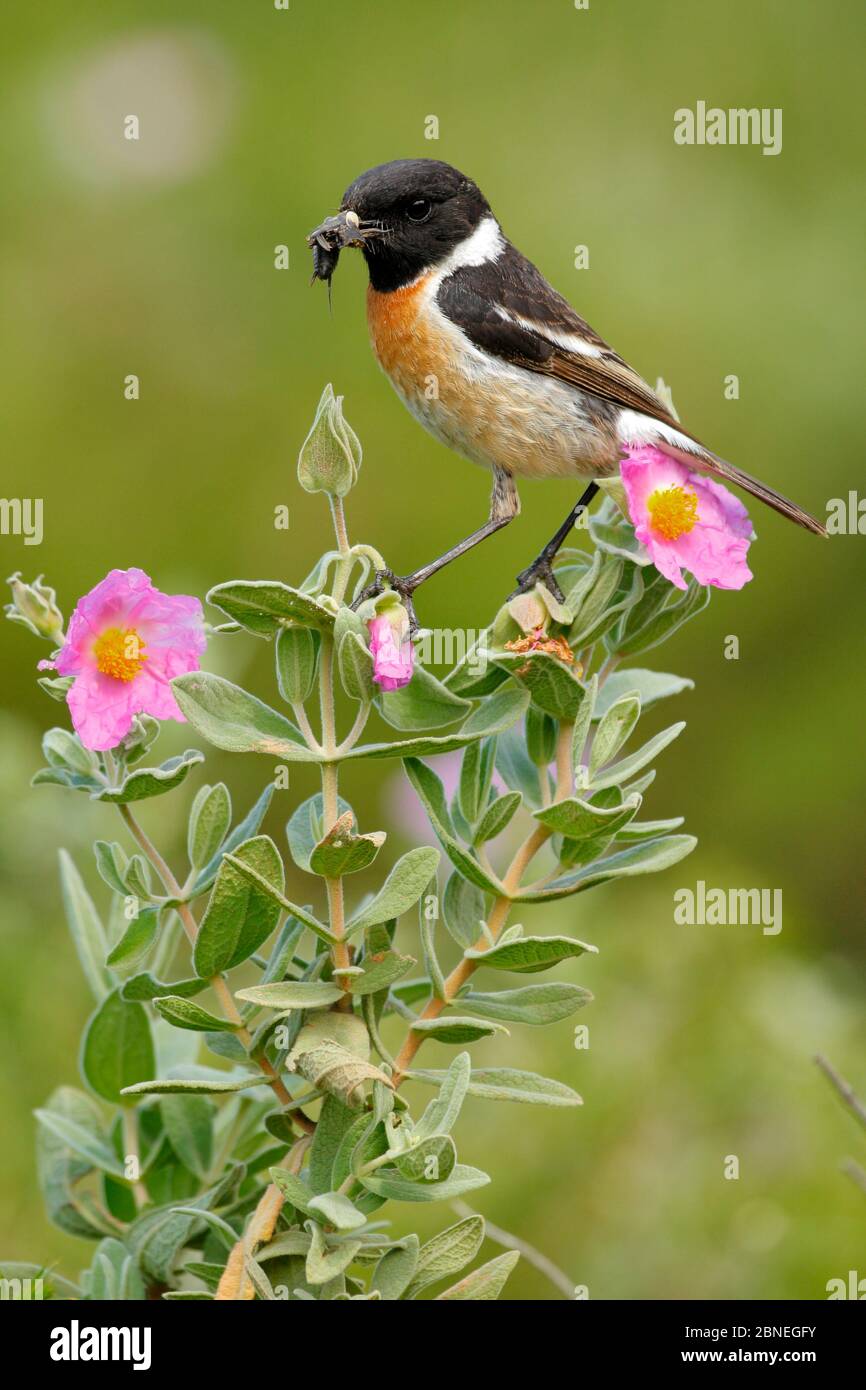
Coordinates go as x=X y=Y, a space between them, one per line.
x=334 y=235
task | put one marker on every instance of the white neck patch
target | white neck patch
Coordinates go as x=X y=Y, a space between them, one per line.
x=486 y=243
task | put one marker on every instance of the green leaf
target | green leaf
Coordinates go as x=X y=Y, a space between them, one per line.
x=183 y=1013
x=292 y=994
x=355 y=665
x=95 y=1152
x=394 y=1272
x=137 y=940
x=293 y=1188
x=117 y=1049
x=243 y=831
x=145 y=782
x=88 y=934
x=446 y=1254
x=325 y=1262
x=304 y=830
x=425 y=703
x=534 y=1004
x=464 y=910
x=193 y=1086
x=582 y=820
x=63 y=749
x=230 y=718
x=399 y=1189
x=337 y=1211
x=497 y=816
x=209 y=820
x=495 y=713
x=516 y=768
x=475 y=773
x=342 y=852
x=483 y=1285
x=334 y=1122
x=239 y=915
x=111 y=864
x=614 y=728
x=620 y=772
x=648 y=829
x=649 y=857
x=441 y=1114
x=430 y=1160
x=451 y=1028
x=431 y=794
x=59 y=1167
x=297 y=655
x=529 y=954
x=145 y=986
x=402 y=888
x=188 y=1122
x=265 y=606
x=552 y=684
x=268 y=890
x=651 y=686
x=595 y=601
x=380 y=971
x=504 y=1083
x=679 y=609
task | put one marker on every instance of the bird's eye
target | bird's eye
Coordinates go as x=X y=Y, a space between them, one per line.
x=419 y=210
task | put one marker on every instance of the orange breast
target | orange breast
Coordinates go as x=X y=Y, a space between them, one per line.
x=404 y=341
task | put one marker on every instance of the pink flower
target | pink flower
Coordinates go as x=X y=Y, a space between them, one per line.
x=124 y=643
x=686 y=521
x=391 y=650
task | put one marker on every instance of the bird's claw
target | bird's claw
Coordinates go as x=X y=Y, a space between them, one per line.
x=404 y=585
x=540 y=569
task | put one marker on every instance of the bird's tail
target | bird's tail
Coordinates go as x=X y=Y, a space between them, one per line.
x=710 y=463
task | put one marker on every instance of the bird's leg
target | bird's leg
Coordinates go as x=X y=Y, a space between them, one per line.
x=542 y=566
x=504 y=507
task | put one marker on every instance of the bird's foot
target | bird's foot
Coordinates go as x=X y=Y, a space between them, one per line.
x=404 y=585
x=540 y=569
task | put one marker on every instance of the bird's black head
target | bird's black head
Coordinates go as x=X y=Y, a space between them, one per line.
x=406 y=216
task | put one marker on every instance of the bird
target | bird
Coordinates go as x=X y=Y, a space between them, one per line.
x=492 y=360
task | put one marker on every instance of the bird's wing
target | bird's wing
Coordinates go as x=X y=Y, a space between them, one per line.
x=507 y=308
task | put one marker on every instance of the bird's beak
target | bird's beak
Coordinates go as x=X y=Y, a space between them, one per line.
x=334 y=235
x=338 y=232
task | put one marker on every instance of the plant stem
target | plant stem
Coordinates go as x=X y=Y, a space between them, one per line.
x=218 y=983
x=131 y=1150
x=500 y=909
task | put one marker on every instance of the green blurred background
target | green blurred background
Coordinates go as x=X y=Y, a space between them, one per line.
x=157 y=258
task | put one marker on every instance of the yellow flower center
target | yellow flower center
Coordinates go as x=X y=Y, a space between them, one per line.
x=673 y=511
x=119 y=653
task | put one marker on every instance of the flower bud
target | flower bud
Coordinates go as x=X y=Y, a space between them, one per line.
x=331 y=453
x=35 y=605
x=392 y=651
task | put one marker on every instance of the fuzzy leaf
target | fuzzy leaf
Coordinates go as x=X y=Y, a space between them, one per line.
x=239 y=915
x=425 y=703
x=483 y=1285
x=506 y=1083
x=292 y=994
x=230 y=718
x=446 y=1254
x=399 y=1189
x=145 y=782
x=534 y=1004
x=117 y=1049
x=183 y=1013
x=265 y=606
x=88 y=934
x=402 y=888
x=529 y=954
